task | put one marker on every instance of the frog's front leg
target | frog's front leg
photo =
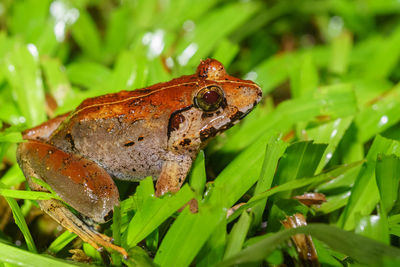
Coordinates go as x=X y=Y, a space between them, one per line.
x=173 y=173
x=78 y=181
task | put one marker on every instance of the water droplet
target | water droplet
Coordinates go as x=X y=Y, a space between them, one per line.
x=155 y=43
x=334 y=132
x=33 y=50
x=189 y=51
x=11 y=68
x=384 y=119
x=63 y=15
x=170 y=62
x=189 y=25
x=252 y=75
x=335 y=26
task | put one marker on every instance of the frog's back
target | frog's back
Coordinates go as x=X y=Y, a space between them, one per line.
x=125 y=132
x=125 y=96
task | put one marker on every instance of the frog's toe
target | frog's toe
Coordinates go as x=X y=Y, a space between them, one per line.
x=68 y=220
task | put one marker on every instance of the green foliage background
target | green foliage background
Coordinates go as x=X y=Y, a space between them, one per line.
x=328 y=123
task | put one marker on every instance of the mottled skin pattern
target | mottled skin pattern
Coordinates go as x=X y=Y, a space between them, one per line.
x=129 y=135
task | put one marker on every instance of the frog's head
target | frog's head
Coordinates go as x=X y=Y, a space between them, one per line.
x=219 y=101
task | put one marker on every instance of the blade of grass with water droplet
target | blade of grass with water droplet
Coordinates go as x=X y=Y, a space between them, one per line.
x=86 y=35
x=382 y=114
x=275 y=149
x=198 y=44
x=365 y=193
x=330 y=133
x=24 y=77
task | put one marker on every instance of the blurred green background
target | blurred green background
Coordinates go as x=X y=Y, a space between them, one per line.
x=328 y=123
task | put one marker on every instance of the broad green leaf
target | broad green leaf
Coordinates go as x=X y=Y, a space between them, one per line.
x=274 y=71
x=363 y=250
x=29 y=18
x=225 y=52
x=213 y=250
x=330 y=133
x=20 y=257
x=93 y=253
x=13 y=176
x=118 y=29
x=178 y=12
x=193 y=231
x=387 y=175
x=334 y=202
x=153 y=212
x=86 y=35
x=374 y=227
x=22 y=194
x=341 y=48
x=237 y=235
x=379 y=116
x=365 y=193
x=275 y=149
x=303 y=77
x=130 y=72
x=138 y=258
x=380 y=64
x=10 y=137
x=197 y=177
x=61 y=241
x=300 y=160
x=89 y=74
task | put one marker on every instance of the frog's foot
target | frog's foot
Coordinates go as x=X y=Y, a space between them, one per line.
x=67 y=219
x=173 y=174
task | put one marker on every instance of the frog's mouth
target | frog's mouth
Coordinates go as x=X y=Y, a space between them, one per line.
x=211 y=131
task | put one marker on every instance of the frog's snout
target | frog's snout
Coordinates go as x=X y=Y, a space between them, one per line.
x=251 y=96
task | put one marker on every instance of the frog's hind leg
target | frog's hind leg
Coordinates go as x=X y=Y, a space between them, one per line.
x=80 y=182
x=45 y=130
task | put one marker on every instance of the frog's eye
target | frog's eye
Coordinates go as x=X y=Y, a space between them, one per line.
x=209 y=98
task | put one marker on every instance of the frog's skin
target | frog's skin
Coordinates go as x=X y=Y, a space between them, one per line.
x=129 y=135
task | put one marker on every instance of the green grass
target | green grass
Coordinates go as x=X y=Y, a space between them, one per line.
x=329 y=122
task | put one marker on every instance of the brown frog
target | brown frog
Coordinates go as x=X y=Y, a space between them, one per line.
x=155 y=131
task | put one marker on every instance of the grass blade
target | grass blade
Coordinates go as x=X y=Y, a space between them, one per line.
x=364 y=250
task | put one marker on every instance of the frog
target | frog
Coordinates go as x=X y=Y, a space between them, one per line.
x=154 y=131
